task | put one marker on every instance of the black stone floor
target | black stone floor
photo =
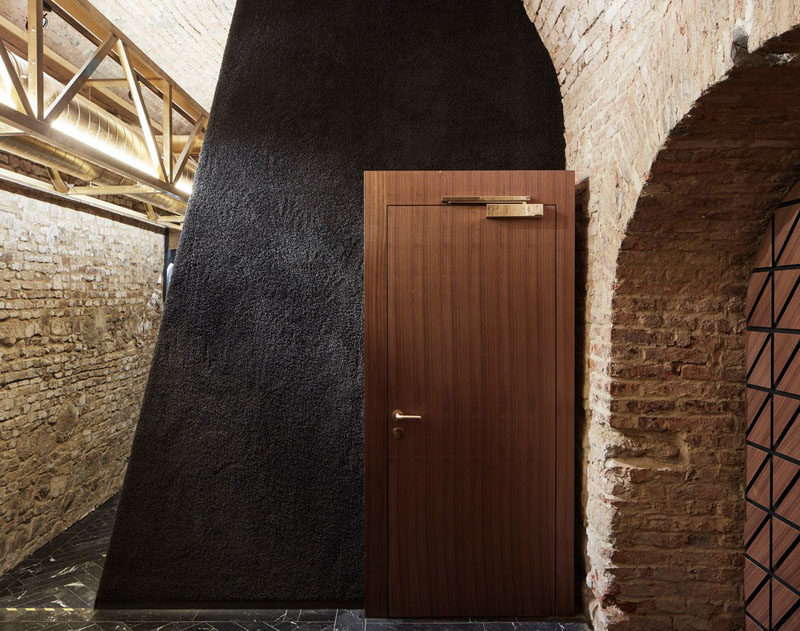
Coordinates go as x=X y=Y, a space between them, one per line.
x=54 y=588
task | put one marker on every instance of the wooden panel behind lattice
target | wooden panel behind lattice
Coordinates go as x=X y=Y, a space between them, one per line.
x=772 y=526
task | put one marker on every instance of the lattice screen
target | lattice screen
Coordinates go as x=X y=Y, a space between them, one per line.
x=772 y=528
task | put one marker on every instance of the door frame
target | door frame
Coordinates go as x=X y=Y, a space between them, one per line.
x=386 y=188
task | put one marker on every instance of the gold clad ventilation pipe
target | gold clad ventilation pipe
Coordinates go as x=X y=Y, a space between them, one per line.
x=90 y=124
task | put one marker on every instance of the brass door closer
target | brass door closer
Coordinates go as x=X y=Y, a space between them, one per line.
x=499 y=206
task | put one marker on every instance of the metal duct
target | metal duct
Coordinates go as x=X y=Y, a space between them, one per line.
x=93 y=123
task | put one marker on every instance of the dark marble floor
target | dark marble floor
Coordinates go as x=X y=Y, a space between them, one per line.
x=54 y=588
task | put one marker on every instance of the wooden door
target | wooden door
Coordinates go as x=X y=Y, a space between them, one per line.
x=470 y=328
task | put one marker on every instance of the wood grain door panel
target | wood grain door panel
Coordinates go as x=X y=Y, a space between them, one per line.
x=472 y=350
x=469 y=512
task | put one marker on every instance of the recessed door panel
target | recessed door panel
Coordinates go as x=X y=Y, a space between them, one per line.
x=471 y=351
x=469 y=397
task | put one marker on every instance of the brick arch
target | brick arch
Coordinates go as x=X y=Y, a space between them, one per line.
x=629 y=72
x=673 y=469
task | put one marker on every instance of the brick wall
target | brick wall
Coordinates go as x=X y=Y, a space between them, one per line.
x=666 y=257
x=677 y=360
x=185 y=37
x=80 y=304
x=673 y=205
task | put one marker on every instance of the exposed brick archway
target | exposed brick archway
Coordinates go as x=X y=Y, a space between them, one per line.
x=629 y=72
x=670 y=472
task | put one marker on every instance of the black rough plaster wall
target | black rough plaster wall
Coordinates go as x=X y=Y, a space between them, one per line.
x=246 y=478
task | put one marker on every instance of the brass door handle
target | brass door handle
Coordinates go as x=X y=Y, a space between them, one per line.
x=398 y=415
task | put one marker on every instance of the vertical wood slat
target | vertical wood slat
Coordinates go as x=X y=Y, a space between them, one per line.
x=565 y=394
x=36 y=57
x=375 y=396
x=166 y=126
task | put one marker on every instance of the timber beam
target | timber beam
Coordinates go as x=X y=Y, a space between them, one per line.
x=36 y=107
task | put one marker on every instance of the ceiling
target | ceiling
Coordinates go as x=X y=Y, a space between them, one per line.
x=185 y=37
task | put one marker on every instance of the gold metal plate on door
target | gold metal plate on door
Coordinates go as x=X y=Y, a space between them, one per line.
x=497 y=211
x=501 y=206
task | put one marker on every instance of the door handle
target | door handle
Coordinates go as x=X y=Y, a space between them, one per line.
x=398 y=415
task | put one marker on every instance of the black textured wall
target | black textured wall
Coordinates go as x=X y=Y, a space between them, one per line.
x=246 y=479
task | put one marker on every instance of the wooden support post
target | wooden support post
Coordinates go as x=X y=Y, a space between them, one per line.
x=36 y=57
x=166 y=126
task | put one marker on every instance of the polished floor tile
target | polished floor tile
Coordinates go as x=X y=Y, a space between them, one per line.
x=54 y=588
